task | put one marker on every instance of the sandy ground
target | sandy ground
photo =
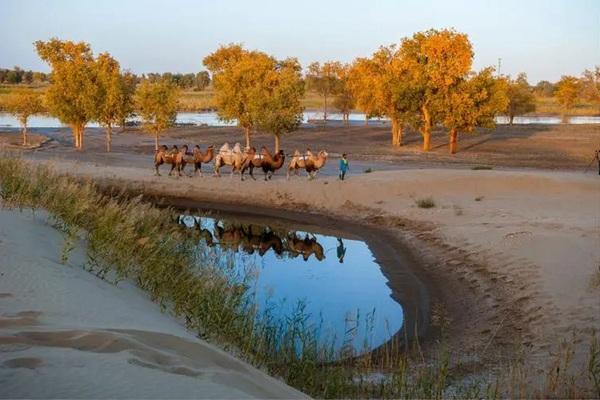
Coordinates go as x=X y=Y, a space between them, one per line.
x=66 y=334
x=513 y=254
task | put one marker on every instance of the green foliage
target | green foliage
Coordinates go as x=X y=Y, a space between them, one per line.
x=157 y=105
x=276 y=102
x=520 y=98
x=426 y=202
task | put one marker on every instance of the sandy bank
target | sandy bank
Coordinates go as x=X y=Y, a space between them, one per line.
x=65 y=333
x=513 y=254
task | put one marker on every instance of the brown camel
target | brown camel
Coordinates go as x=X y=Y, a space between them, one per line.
x=198 y=158
x=227 y=156
x=298 y=162
x=270 y=163
x=306 y=247
x=166 y=156
x=314 y=164
x=252 y=160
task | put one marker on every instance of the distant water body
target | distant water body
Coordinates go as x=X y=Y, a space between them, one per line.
x=210 y=118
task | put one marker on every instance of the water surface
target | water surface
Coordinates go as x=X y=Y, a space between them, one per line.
x=210 y=118
x=334 y=278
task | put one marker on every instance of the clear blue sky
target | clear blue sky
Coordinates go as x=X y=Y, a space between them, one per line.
x=544 y=38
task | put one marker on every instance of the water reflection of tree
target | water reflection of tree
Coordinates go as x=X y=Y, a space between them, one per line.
x=253 y=239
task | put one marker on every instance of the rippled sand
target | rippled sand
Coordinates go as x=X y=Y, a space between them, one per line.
x=65 y=333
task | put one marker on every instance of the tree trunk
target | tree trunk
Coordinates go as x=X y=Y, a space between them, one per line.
x=453 y=141
x=24 y=130
x=247 y=133
x=347 y=116
x=426 y=128
x=399 y=134
x=366 y=120
x=277 y=140
x=75 y=136
x=394 y=132
x=156 y=141
x=123 y=122
x=325 y=108
x=108 y=138
x=511 y=119
x=81 y=128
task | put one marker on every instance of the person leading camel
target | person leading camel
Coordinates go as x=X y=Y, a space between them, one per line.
x=343 y=166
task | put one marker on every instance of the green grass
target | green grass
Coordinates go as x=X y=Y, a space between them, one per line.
x=426 y=202
x=162 y=258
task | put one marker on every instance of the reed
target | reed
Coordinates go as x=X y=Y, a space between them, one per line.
x=165 y=260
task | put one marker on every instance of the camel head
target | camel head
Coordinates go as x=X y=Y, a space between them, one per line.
x=163 y=148
x=184 y=148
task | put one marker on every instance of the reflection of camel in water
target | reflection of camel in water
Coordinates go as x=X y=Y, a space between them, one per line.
x=306 y=247
x=203 y=233
x=250 y=240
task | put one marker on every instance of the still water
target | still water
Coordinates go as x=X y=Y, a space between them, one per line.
x=210 y=118
x=335 y=278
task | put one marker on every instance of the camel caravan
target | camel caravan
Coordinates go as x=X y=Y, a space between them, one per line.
x=238 y=160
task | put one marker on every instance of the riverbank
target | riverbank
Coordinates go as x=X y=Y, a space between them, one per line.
x=70 y=332
x=523 y=263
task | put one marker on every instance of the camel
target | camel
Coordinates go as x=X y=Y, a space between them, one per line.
x=251 y=161
x=298 y=161
x=268 y=241
x=203 y=233
x=164 y=156
x=229 y=237
x=314 y=164
x=198 y=158
x=306 y=247
x=227 y=156
x=270 y=163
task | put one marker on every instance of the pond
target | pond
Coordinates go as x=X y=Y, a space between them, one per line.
x=210 y=118
x=333 y=276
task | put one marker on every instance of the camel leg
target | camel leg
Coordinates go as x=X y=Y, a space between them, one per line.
x=172 y=168
x=252 y=172
x=156 y=168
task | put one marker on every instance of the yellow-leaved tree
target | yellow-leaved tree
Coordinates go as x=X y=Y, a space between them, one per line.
x=23 y=103
x=115 y=96
x=472 y=102
x=433 y=61
x=157 y=104
x=567 y=93
x=276 y=101
x=362 y=82
x=73 y=94
x=235 y=73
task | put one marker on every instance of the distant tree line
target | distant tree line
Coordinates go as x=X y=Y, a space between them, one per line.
x=425 y=82
x=16 y=75
x=198 y=81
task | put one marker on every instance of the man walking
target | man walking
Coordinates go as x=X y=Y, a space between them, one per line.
x=343 y=166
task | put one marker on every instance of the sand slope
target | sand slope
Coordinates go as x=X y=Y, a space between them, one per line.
x=65 y=333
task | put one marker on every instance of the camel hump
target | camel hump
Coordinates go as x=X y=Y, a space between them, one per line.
x=237 y=148
x=225 y=147
x=296 y=153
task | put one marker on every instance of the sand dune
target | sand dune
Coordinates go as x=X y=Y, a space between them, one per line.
x=66 y=334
